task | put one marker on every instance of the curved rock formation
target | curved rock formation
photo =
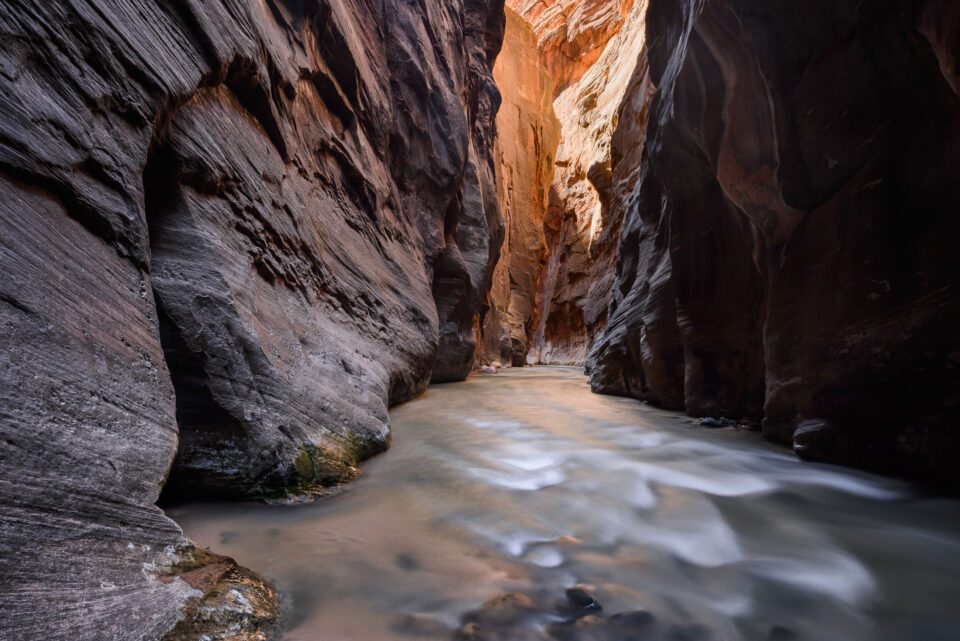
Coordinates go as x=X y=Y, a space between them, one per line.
x=591 y=50
x=247 y=226
x=527 y=139
x=588 y=51
x=786 y=252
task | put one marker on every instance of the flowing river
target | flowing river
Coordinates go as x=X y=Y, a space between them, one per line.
x=528 y=483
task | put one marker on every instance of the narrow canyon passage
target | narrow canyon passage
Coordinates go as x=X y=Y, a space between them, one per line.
x=237 y=236
x=527 y=483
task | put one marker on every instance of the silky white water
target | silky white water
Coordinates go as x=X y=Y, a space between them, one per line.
x=526 y=482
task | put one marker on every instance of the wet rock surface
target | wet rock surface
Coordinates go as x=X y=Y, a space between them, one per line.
x=577 y=616
x=231 y=234
x=625 y=626
x=501 y=618
x=236 y=605
x=786 y=251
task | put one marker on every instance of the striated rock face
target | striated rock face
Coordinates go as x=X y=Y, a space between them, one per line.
x=231 y=234
x=787 y=247
x=556 y=174
x=572 y=34
x=582 y=224
x=473 y=229
x=527 y=138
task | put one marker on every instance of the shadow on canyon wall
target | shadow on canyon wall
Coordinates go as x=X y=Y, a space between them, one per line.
x=787 y=253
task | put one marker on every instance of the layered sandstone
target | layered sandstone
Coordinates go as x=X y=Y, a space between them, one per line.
x=527 y=139
x=233 y=232
x=787 y=247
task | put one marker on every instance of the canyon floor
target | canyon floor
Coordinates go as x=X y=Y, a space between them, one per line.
x=521 y=506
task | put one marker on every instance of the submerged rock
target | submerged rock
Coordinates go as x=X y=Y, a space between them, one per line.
x=781 y=633
x=503 y=608
x=637 y=625
x=716 y=422
x=406 y=562
x=579 y=602
x=425 y=626
x=502 y=618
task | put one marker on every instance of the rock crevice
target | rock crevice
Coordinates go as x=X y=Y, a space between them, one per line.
x=527 y=139
x=562 y=227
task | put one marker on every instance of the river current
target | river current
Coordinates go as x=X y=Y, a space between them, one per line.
x=528 y=483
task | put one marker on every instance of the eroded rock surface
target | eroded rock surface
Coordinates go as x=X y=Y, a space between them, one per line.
x=527 y=139
x=572 y=34
x=787 y=247
x=583 y=220
x=589 y=51
x=290 y=203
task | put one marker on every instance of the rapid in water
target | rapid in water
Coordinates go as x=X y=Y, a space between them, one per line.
x=527 y=483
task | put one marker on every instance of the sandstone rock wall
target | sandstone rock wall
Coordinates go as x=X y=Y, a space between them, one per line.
x=581 y=225
x=232 y=233
x=787 y=247
x=572 y=34
x=527 y=139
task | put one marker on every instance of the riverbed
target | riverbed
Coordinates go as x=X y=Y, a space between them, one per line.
x=526 y=482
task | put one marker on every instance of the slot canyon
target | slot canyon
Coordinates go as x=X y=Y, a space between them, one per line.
x=479 y=320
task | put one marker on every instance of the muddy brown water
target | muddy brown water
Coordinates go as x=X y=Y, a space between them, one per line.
x=526 y=482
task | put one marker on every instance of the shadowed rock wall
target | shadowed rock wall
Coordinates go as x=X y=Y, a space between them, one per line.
x=787 y=247
x=245 y=227
x=590 y=49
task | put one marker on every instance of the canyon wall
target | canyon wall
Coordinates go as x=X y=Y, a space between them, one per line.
x=232 y=233
x=527 y=139
x=787 y=253
x=591 y=50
